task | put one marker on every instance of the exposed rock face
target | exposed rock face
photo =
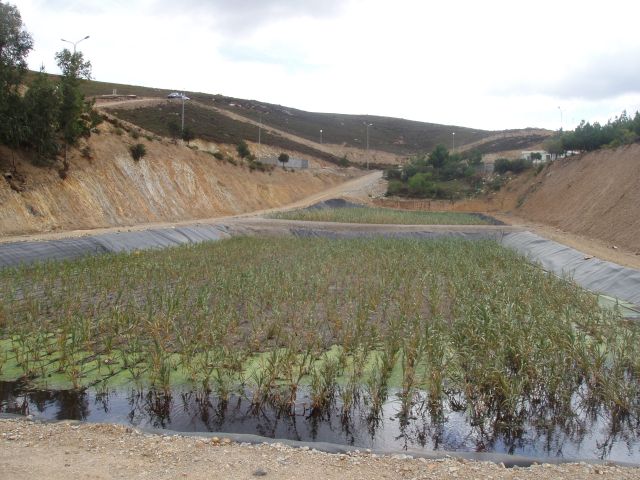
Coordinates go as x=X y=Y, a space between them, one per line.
x=171 y=183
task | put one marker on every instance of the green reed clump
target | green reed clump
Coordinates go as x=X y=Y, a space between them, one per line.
x=468 y=324
x=380 y=216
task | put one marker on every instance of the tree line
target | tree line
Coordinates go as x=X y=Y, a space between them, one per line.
x=439 y=174
x=46 y=117
x=587 y=136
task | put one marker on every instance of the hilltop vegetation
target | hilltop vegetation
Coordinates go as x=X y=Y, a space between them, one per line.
x=623 y=130
x=52 y=115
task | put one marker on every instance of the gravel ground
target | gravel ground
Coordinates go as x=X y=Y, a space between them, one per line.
x=30 y=450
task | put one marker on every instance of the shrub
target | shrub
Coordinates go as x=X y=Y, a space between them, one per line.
x=393 y=174
x=243 y=149
x=86 y=152
x=135 y=134
x=395 y=187
x=420 y=185
x=137 y=151
x=504 y=165
x=218 y=156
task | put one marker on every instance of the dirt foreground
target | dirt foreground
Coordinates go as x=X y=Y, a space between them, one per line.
x=31 y=450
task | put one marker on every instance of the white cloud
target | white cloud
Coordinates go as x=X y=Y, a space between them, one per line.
x=493 y=64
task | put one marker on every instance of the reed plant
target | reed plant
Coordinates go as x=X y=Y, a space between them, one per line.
x=469 y=326
x=380 y=216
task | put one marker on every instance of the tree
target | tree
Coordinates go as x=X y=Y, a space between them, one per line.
x=41 y=105
x=15 y=45
x=74 y=119
x=174 y=129
x=439 y=156
x=283 y=158
x=187 y=135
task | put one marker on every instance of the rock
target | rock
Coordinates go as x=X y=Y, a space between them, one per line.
x=259 y=473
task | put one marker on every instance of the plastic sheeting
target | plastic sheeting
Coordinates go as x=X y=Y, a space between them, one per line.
x=12 y=254
x=591 y=273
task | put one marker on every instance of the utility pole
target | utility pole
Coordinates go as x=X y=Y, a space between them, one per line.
x=453 y=136
x=320 y=136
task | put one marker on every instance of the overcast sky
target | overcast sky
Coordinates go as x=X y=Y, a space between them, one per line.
x=485 y=64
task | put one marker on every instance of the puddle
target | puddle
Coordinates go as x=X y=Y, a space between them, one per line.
x=590 y=436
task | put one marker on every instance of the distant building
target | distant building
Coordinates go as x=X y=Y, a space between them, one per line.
x=543 y=155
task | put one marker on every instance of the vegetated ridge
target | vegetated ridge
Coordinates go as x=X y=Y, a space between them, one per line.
x=395 y=136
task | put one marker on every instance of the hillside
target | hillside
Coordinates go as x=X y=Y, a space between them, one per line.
x=171 y=183
x=341 y=134
x=595 y=195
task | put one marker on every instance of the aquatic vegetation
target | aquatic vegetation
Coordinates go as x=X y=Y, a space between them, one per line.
x=377 y=215
x=446 y=325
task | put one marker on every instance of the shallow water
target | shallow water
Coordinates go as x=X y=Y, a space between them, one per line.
x=591 y=436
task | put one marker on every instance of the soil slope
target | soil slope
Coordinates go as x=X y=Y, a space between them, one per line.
x=596 y=195
x=172 y=183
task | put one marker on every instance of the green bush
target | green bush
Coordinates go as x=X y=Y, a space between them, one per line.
x=393 y=174
x=504 y=165
x=137 y=151
x=218 y=156
x=243 y=149
x=420 y=185
x=395 y=187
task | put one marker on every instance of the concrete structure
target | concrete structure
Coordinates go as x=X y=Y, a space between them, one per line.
x=293 y=162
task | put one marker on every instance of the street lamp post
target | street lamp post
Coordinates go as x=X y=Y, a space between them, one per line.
x=259 y=137
x=75 y=44
x=367 y=124
x=182 y=130
x=320 y=136
x=560 y=117
x=453 y=140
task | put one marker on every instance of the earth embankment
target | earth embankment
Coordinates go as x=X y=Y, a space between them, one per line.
x=595 y=195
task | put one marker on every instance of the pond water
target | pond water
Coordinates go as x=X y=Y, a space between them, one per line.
x=593 y=435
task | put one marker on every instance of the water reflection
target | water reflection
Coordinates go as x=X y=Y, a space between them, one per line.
x=586 y=433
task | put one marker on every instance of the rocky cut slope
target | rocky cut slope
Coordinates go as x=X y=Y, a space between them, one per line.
x=171 y=183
